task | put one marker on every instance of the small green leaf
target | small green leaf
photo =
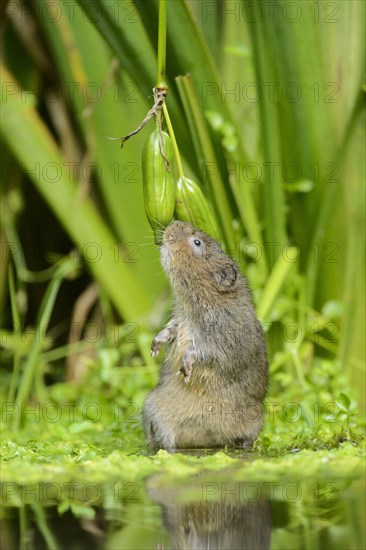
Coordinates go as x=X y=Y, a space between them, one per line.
x=81 y=511
x=215 y=119
x=238 y=50
x=230 y=143
x=332 y=309
x=300 y=186
x=343 y=401
x=63 y=507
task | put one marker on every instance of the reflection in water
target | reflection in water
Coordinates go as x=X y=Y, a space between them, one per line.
x=36 y=528
x=222 y=519
x=217 y=510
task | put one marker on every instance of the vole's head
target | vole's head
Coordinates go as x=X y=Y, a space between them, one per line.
x=195 y=262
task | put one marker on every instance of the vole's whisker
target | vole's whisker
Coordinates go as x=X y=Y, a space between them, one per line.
x=161 y=225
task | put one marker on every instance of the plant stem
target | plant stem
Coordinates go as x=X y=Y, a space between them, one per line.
x=33 y=358
x=326 y=206
x=244 y=199
x=43 y=526
x=274 y=200
x=220 y=198
x=22 y=527
x=276 y=280
x=160 y=81
x=174 y=141
x=17 y=332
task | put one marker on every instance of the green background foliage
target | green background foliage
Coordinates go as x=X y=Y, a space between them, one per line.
x=267 y=108
x=267 y=105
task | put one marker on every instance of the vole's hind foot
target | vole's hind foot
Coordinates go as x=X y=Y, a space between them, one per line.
x=158 y=430
x=244 y=442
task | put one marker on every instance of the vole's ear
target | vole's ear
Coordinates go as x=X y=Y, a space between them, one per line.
x=226 y=276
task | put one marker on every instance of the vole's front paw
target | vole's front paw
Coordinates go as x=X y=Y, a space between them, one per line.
x=188 y=361
x=156 y=345
x=162 y=338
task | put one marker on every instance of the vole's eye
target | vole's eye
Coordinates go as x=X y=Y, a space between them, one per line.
x=197 y=246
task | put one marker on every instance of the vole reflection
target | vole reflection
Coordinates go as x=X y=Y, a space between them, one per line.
x=211 y=512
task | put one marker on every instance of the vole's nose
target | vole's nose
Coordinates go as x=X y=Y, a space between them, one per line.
x=174 y=230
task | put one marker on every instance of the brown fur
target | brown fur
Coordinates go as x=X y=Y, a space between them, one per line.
x=215 y=344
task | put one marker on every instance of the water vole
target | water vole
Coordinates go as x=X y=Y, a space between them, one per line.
x=215 y=344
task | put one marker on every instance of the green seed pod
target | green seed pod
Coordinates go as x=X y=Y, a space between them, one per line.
x=192 y=206
x=158 y=184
